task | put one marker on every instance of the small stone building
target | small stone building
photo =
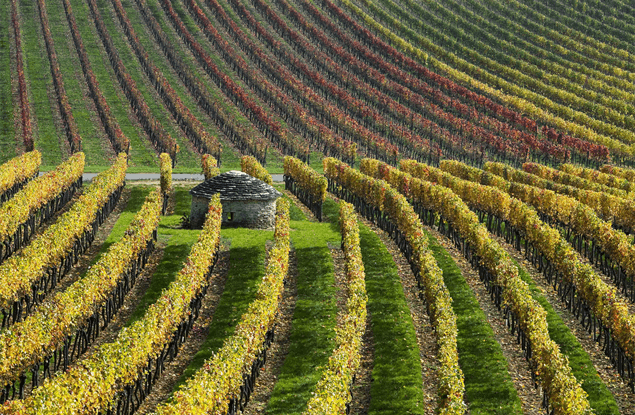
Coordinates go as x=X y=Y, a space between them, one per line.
x=246 y=201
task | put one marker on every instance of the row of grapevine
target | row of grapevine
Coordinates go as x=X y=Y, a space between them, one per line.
x=594 y=45
x=599 y=177
x=373 y=42
x=608 y=207
x=384 y=205
x=369 y=46
x=577 y=127
x=610 y=106
x=63 y=327
x=306 y=184
x=271 y=128
x=250 y=165
x=191 y=125
x=497 y=271
x=66 y=112
x=25 y=107
x=593 y=301
x=608 y=248
x=332 y=393
x=608 y=130
x=245 y=139
x=161 y=140
x=165 y=166
x=224 y=383
x=492 y=28
x=371 y=126
x=37 y=202
x=334 y=106
x=281 y=92
x=119 y=374
x=416 y=118
x=273 y=93
x=562 y=177
x=17 y=172
x=210 y=166
x=118 y=140
x=567 y=42
x=320 y=136
x=622 y=172
x=408 y=106
x=34 y=271
x=201 y=139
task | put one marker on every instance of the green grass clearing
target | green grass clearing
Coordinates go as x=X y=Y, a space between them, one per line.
x=312 y=335
x=488 y=385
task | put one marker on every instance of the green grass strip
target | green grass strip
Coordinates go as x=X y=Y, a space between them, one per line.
x=120 y=41
x=397 y=379
x=38 y=72
x=246 y=268
x=488 y=386
x=274 y=158
x=7 y=134
x=312 y=335
x=178 y=245
x=600 y=398
x=136 y=199
x=186 y=158
x=141 y=151
x=93 y=135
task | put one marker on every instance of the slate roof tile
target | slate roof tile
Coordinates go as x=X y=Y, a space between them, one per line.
x=236 y=185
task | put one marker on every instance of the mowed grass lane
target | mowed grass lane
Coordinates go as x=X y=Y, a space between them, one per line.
x=48 y=137
x=7 y=133
x=95 y=144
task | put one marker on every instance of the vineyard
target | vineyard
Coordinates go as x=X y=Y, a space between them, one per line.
x=455 y=235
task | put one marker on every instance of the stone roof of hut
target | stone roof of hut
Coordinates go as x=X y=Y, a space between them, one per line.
x=236 y=185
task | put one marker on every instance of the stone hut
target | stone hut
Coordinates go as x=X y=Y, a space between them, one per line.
x=246 y=201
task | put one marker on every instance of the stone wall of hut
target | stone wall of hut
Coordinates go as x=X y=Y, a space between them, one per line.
x=258 y=214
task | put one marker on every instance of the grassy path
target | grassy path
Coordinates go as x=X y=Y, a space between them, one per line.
x=312 y=328
x=141 y=152
x=94 y=142
x=7 y=134
x=397 y=379
x=246 y=269
x=48 y=139
x=137 y=197
x=488 y=385
x=178 y=246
